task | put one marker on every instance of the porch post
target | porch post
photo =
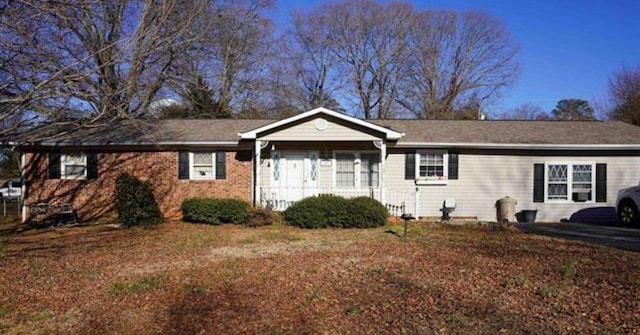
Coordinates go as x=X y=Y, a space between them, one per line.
x=383 y=157
x=256 y=188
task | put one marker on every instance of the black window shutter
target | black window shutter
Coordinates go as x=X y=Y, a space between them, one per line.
x=183 y=165
x=221 y=172
x=92 y=165
x=54 y=165
x=453 y=165
x=410 y=166
x=538 y=182
x=601 y=182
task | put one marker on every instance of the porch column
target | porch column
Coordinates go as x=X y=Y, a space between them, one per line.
x=256 y=188
x=383 y=157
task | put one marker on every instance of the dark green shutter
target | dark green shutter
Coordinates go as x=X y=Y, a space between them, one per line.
x=601 y=182
x=453 y=165
x=183 y=165
x=410 y=166
x=54 y=165
x=92 y=165
x=221 y=169
x=538 y=182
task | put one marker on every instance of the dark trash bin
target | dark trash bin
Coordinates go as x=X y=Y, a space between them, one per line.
x=529 y=215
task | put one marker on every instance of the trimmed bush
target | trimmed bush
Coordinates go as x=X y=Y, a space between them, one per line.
x=369 y=213
x=215 y=211
x=335 y=211
x=135 y=202
x=259 y=216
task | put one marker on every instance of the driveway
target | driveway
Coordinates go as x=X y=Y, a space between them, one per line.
x=617 y=237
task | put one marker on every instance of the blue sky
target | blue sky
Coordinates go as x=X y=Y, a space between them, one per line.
x=569 y=48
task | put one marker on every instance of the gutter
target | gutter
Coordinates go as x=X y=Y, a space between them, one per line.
x=156 y=143
x=520 y=146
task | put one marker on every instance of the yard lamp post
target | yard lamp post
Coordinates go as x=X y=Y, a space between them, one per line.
x=406 y=217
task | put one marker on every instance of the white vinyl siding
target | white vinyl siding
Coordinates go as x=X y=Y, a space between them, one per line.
x=486 y=176
x=316 y=130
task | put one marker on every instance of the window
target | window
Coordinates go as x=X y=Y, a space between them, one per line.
x=345 y=170
x=73 y=166
x=567 y=182
x=202 y=165
x=431 y=168
x=369 y=170
x=357 y=169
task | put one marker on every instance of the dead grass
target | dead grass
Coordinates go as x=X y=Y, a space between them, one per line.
x=184 y=279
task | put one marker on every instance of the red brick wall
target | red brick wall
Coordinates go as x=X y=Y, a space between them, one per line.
x=95 y=198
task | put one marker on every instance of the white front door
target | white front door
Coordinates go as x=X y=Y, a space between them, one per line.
x=294 y=175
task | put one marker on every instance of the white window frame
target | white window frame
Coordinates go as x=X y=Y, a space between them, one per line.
x=432 y=180
x=63 y=164
x=192 y=174
x=569 y=199
x=356 y=170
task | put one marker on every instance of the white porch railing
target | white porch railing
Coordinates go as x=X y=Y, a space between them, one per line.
x=280 y=198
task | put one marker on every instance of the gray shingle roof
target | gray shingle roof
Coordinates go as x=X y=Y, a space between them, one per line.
x=416 y=131
x=515 y=132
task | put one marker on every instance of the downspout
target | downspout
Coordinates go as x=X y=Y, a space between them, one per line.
x=23 y=187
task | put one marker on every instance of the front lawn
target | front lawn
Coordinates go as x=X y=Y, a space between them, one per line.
x=181 y=278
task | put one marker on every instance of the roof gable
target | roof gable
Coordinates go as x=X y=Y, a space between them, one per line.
x=388 y=133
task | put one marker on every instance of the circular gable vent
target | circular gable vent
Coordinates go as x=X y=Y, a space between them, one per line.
x=321 y=124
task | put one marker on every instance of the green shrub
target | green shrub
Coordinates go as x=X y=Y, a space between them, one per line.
x=259 y=216
x=368 y=213
x=135 y=202
x=215 y=211
x=200 y=210
x=334 y=211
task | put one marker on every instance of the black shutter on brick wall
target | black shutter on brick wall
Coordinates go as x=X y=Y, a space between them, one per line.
x=54 y=165
x=183 y=165
x=410 y=166
x=538 y=182
x=601 y=182
x=453 y=165
x=92 y=165
x=221 y=165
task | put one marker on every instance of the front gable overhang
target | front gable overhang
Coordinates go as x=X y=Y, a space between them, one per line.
x=349 y=121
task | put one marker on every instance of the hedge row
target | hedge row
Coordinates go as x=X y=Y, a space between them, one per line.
x=215 y=211
x=335 y=211
x=314 y=212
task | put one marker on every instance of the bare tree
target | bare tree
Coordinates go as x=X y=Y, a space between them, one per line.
x=456 y=60
x=93 y=59
x=624 y=93
x=524 y=112
x=232 y=56
x=305 y=76
x=369 y=41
